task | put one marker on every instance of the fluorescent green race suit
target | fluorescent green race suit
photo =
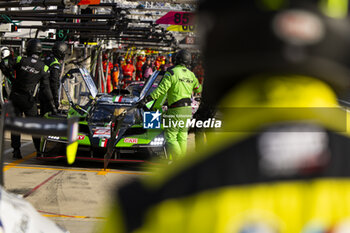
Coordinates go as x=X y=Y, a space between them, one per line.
x=178 y=83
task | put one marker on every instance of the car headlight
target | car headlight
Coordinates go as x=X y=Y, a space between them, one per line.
x=157 y=141
x=53 y=137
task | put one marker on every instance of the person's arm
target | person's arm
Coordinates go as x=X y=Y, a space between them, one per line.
x=12 y=65
x=45 y=87
x=16 y=63
x=143 y=68
x=55 y=72
x=6 y=70
x=121 y=75
x=164 y=85
x=197 y=88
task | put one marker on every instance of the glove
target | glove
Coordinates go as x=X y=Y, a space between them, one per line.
x=144 y=101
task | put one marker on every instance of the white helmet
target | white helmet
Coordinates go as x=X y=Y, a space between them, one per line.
x=5 y=52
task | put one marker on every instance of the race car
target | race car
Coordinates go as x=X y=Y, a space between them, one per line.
x=132 y=142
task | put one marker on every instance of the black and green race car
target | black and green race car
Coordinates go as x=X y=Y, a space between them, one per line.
x=130 y=143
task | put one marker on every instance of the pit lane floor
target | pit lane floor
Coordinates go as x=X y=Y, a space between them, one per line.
x=72 y=196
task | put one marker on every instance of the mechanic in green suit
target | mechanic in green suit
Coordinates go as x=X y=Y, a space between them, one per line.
x=178 y=84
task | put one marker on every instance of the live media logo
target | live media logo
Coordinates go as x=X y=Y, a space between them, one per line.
x=151 y=120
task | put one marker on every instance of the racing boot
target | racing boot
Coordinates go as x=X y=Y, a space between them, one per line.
x=17 y=154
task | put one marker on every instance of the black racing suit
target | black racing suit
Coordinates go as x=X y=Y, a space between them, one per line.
x=5 y=65
x=29 y=72
x=55 y=68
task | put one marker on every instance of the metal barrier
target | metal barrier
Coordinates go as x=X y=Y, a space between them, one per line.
x=38 y=127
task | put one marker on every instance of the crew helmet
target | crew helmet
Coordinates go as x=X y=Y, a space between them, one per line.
x=59 y=49
x=183 y=57
x=5 y=52
x=105 y=56
x=33 y=47
x=121 y=59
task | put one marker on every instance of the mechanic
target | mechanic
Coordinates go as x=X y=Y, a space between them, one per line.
x=54 y=61
x=139 y=64
x=118 y=72
x=30 y=71
x=178 y=84
x=147 y=69
x=287 y=169
x=158 y=63
x=128 y=73
x=107 y=68
x=167 y=64
x=6 y=62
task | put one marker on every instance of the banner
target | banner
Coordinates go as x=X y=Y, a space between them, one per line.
x=89 y=2
x=177 y=18
x=182 y=28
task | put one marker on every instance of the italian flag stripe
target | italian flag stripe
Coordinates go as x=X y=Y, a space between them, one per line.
x=117 y=98
x=103 y=142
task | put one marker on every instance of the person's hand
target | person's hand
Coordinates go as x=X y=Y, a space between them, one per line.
x=144 y=101
x=141 y=104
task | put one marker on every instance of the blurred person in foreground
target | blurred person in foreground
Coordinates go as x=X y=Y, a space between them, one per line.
x=282 y=162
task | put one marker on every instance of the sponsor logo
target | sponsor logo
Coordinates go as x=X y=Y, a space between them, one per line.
x=30 y=69
x=151 y=120
x=192 y=123
x=81 y=137
x=102 y=132
x=131 y=140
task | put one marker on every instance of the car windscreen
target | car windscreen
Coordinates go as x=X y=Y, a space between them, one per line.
x=135 y=89
x=101 y=113
x=77 y=89
x=152 y=82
